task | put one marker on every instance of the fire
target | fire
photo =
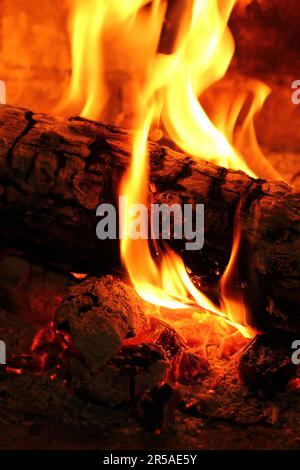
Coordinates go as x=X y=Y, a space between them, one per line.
x=166 y=285
x=202 y=58
x=232 y=302
x=168 y=84
x=86 y=93
x=94 y=27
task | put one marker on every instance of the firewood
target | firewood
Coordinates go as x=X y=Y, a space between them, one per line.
x=130 y=372
x=188 y=367
x=96 y=321
x=156 y=408
x=54 y=172
x=114 y=353
x=265 y=366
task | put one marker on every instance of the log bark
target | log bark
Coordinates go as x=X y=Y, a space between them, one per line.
x=54 y=172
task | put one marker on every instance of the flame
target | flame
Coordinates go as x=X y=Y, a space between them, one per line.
x=93 y=25
x=166 y=285
x=86 y=93
x=176 y=82
x=203 y=58
x=245 y=139
x=170 y=88
x=232 y=301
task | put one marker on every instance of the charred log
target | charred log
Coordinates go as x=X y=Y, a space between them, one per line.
x=54 y=172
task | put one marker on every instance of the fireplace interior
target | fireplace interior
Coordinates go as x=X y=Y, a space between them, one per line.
x=131 y=344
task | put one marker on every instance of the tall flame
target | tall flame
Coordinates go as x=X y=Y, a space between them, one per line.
x=166 y=285
x=168 y=87
x=201 y=59
x=86 y=93
x=232 y=302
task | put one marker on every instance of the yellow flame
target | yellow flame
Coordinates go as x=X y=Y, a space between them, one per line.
x=172 y=86
x=166 y=285
x=87 y=92
x=202 y=59
x=232 y=301
x=245 y=139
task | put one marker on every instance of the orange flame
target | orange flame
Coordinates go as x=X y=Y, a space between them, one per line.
x=232 y=301
x=169 y=284
x=170 y=86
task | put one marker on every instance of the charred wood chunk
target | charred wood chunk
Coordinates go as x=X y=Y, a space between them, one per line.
x=167 y=337
x=98 y=314
x=188 y=367
x=156 y=408
x=266 y=365
x=125 y=377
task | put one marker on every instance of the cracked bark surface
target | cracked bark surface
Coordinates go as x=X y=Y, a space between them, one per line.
x=54 y=172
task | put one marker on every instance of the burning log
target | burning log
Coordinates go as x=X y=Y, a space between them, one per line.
x=54 y=172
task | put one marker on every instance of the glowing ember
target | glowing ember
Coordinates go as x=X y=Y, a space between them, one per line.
x=79 y=276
